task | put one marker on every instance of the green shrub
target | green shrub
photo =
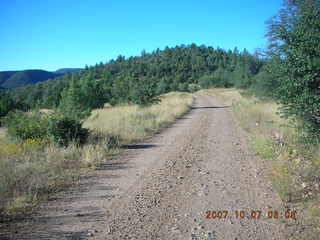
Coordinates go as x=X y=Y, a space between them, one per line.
x=183 y=87
x=6 y=104
x=219 y=79
x=23 y=125
x=143 y=92
x=192 y=87
x=206 y=81
x=64 y=130
x=294 y=42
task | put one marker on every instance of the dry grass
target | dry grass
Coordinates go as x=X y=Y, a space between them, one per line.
x=2 y=134
x=32 y=170
x=294 y=167
x=131 y=123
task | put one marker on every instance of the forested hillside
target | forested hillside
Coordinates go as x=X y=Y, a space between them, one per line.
x=67 y=70
x=5 y=75
x=289 y=72
x=171 y=69
x=14 y=79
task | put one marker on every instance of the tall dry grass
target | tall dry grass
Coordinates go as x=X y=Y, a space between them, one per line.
x=130 y=123
x=32 y=170
x=29 y=171
x=294 y=166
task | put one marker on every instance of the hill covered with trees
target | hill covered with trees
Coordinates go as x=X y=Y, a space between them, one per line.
x=151 y=74
x=67 y=70
x=15 y=79
x=289 y=73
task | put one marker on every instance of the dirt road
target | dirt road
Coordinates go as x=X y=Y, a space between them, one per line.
x=163 y=188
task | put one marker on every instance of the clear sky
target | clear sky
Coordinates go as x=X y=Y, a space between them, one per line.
x=51 y=34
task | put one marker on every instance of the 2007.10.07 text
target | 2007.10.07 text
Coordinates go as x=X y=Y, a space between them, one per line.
x=251 y=214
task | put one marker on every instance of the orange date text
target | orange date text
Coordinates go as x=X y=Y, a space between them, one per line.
x=251 y=214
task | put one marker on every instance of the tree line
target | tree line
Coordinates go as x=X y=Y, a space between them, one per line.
x=140 y=79
x=289 y=72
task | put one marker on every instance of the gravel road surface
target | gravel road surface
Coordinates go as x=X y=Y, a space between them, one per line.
x=164 y=187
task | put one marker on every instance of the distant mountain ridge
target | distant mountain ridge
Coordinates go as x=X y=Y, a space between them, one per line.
x=5 y=75
x=15 y=79
x=67 y=70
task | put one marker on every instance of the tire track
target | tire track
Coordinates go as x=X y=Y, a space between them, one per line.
x=200 y=163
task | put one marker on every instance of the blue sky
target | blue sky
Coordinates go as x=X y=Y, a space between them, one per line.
x=51 y=34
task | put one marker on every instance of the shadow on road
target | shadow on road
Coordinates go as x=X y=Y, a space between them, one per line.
x=112 y=166
x=139 y=146
x=51 y=235
x=210 y=107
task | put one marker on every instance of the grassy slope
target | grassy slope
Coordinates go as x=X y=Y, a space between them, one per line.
x=32 y=170
x=294 y=167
